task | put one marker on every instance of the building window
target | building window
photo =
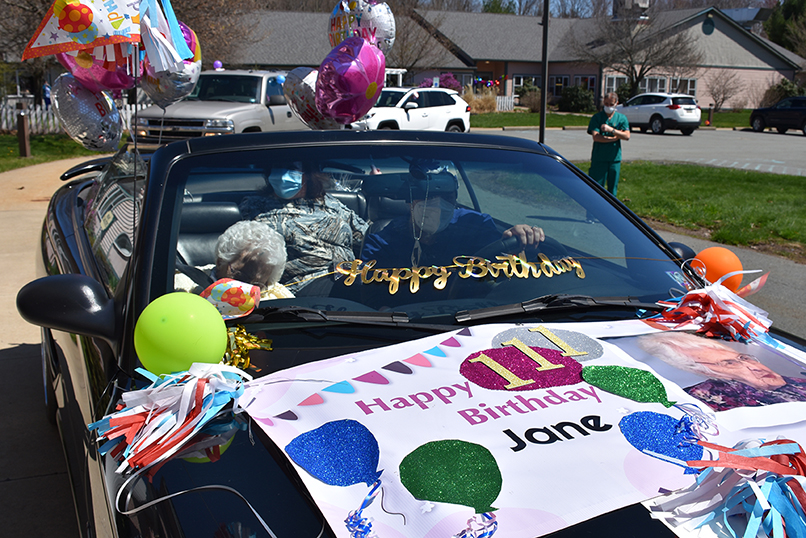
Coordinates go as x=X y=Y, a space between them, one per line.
x=685 y=85
x=557 y=84
x=587 y=82
x=613 y=83
x=521 y=80
x=467 y=80
x=652 y=84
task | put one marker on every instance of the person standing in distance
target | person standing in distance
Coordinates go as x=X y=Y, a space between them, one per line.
x=608 y=129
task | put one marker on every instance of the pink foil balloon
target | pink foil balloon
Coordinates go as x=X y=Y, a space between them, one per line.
x=92 y=74
x=350 y=80
x=300 y=92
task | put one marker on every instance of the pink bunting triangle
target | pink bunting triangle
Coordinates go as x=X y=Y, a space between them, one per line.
x=418 y=360
x=372 y=377
x=313 y=399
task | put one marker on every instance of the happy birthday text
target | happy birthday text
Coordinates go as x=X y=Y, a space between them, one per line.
x=508 y=266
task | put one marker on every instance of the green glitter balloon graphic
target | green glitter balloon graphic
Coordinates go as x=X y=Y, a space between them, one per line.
x=633 y=383
x=452 y=471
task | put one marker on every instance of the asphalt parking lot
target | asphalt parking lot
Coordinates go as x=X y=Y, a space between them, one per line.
x=34 y=485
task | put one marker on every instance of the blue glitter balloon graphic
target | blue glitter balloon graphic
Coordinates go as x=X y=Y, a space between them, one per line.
x=339 y=453
x=661 y=434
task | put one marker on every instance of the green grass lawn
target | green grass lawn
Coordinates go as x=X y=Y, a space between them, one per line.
x=44 y=148
x=740 y=119
x=739 y=207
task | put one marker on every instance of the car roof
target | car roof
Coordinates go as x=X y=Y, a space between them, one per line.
x=431 y=89
x=215 y=144
x=662 y=94
x=241 y=72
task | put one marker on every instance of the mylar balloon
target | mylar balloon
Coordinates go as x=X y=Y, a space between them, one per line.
x=300 y=93
x=178 y=329
x=168 y=87
x=89 y=118
x=232 y=298
x=350 y=80
x=339 y=453
x=367 y=20
x=96 y=75
x=717 y=262
x=452 y=471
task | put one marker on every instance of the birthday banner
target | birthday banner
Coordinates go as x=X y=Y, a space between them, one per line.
x=534 y=427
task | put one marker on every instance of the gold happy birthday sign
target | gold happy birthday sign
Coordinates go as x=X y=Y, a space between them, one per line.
x=509 y=266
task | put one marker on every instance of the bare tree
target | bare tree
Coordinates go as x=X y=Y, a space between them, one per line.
x=796 y=32
x=219 y=25
x=17 y=26
x=572 y=9
x=417 y=41
x=637 y=48
x=722 y=86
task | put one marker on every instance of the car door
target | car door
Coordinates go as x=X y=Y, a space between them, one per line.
x=632 y=109
x=439 y=109
x=416 y=117
x=780 y=115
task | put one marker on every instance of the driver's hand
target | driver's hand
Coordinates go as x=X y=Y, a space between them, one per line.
x=527 y=235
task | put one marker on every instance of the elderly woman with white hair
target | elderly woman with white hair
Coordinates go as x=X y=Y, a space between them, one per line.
x=735 y=379
x=247 y=251
x=252 y=252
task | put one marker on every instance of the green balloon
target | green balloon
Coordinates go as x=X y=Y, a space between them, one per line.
x=452 y=471
x=633 y=383
x=178 y=329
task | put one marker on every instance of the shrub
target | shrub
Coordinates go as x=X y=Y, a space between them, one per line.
x=531 y=100
x=577 y=99
x=624 y=93
x=783 y=89
x=446 y=80
x=480 y=102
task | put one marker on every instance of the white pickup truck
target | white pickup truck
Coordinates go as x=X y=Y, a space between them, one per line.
x=223 y=102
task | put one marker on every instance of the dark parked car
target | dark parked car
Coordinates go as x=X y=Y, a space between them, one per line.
x=121 y=230
x=789 y=113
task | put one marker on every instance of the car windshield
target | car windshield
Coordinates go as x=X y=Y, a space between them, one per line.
x=227 y=87
x=389 y=98
x=684 y=101
x=415 y=228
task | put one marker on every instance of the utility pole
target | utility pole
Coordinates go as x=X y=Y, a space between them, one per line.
x=545 y=69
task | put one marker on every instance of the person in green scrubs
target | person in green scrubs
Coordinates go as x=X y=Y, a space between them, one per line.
x=608 y=129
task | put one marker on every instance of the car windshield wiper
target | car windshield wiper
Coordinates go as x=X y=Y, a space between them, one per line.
x=303 y=314
x=555 y=302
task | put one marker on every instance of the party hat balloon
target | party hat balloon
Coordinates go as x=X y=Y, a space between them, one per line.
x=633 y=383
x=452 y=471
x=339 y=453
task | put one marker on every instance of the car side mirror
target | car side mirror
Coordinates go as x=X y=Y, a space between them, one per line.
x=683 y=251
x=276 y=100
x=410 y=105
x=72 y=303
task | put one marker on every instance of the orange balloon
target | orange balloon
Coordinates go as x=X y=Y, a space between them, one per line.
x=718 y=262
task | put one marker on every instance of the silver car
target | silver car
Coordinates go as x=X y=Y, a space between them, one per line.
x=661 y=111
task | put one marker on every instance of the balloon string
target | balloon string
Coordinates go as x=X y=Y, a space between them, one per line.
x=479 y=526
x=361 y=527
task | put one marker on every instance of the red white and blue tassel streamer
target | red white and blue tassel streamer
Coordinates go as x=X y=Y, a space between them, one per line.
x=753 y=489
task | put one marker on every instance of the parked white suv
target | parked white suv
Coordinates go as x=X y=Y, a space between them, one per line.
x=661 y=111
x=222 y=102
x=419 y=109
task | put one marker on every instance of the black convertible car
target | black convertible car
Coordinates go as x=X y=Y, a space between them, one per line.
x=126 y=230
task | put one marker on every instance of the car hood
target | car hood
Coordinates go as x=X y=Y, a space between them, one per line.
x=199 y=109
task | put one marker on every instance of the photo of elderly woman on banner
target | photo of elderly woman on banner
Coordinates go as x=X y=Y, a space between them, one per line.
x=724 y=375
